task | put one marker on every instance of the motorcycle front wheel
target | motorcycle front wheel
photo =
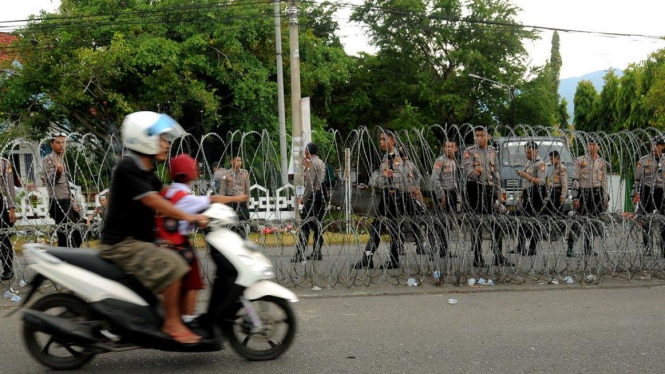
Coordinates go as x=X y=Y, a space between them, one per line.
x=52 y=351
x=272 y=339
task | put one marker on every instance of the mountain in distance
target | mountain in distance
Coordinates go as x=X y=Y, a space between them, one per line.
x=568 y=86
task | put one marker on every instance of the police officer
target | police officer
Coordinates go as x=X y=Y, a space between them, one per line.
x=590 y=197
x=100 y=210
x=7 y=218
x=414 y=177
x=62 y=209
x=533 y=196
x=313 y=202
x=217 y=174
x=235 y=181
x=648 y=191
x=395 y=202
x=557 y=184
x=484 y=193
x=445 y=184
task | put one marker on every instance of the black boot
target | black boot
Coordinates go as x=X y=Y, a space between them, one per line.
x=297 y=257
x=7 y=275
x=390 y=265
x=367 y=262
x=519 y=250
x=315 y=256
x=501 y=260
x=478 y=261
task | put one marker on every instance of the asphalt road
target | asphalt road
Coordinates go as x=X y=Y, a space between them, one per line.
x=555 y=331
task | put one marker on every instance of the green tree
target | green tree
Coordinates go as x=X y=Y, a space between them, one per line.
x=585 y=99
x=607 y=106
x=427 y=48
x=563 y=117
x=555 y=62
x=537 y=103
x=209 y=64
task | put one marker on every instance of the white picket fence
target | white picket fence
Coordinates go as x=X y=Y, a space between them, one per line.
x=32 y=207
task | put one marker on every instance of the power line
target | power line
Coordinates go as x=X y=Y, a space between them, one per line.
x=403 y=12
x=160 y=10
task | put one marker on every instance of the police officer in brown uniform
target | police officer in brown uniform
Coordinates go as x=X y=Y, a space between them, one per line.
x=396 y=201
x=7 y=218
x=414 y=177
x=557 y=185
x=483 y=193
x=62 y=209
x=445 y=184
x=217 y=174
x=235 y=181
x=590 y=197
x=533 y=197
x=648 y=191
x=313 y=204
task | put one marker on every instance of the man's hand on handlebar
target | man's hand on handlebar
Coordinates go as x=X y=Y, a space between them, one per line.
x=199 y=219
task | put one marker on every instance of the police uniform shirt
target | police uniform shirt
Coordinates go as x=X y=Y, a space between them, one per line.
x=648 y=173
x=590 y=173
x=486 y=159
x=537 y=169
x=314 y=176
x=56 y=184
x=234 y=183
x=7 y=183
x=559 y=179
x=217 y=178
x=399 y=179
x=444 y=176
x=413 y=175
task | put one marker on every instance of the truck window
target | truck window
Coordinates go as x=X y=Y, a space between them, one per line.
x=512 y=152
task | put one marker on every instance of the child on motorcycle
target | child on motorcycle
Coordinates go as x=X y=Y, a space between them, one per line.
x=173 y=233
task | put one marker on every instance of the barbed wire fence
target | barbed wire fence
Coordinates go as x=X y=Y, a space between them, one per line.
x=616 y=237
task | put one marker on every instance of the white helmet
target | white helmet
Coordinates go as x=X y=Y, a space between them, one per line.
x=141 y=131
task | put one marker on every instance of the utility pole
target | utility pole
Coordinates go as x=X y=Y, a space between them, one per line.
x=280 y=95
x=295 y=100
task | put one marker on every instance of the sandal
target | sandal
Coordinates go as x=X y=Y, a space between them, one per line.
x=185 y=338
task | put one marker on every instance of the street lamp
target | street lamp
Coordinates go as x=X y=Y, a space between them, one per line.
x=508 y=88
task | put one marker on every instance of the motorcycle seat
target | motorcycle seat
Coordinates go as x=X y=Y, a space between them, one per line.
x=90 y=260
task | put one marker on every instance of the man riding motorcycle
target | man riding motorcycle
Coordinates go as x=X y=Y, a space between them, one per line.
x=128 y=233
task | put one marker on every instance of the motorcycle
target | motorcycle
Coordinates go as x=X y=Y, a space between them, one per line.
x=110 y=311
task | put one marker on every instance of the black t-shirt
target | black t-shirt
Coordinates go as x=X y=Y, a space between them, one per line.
x=126 y=215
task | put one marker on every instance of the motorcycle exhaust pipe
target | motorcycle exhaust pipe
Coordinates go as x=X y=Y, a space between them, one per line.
x=60 y=328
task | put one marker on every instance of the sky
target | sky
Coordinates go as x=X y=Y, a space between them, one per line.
x=581 y=53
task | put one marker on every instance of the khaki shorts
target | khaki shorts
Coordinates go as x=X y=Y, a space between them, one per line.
x=155 y=267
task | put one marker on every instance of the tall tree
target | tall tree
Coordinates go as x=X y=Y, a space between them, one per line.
x=563 y=117
x=210 y=64
x=427 y=48
x=555 y=62
x=585 y=100
x=607 y=106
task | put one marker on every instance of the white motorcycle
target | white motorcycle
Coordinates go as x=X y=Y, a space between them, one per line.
x=110 y=311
